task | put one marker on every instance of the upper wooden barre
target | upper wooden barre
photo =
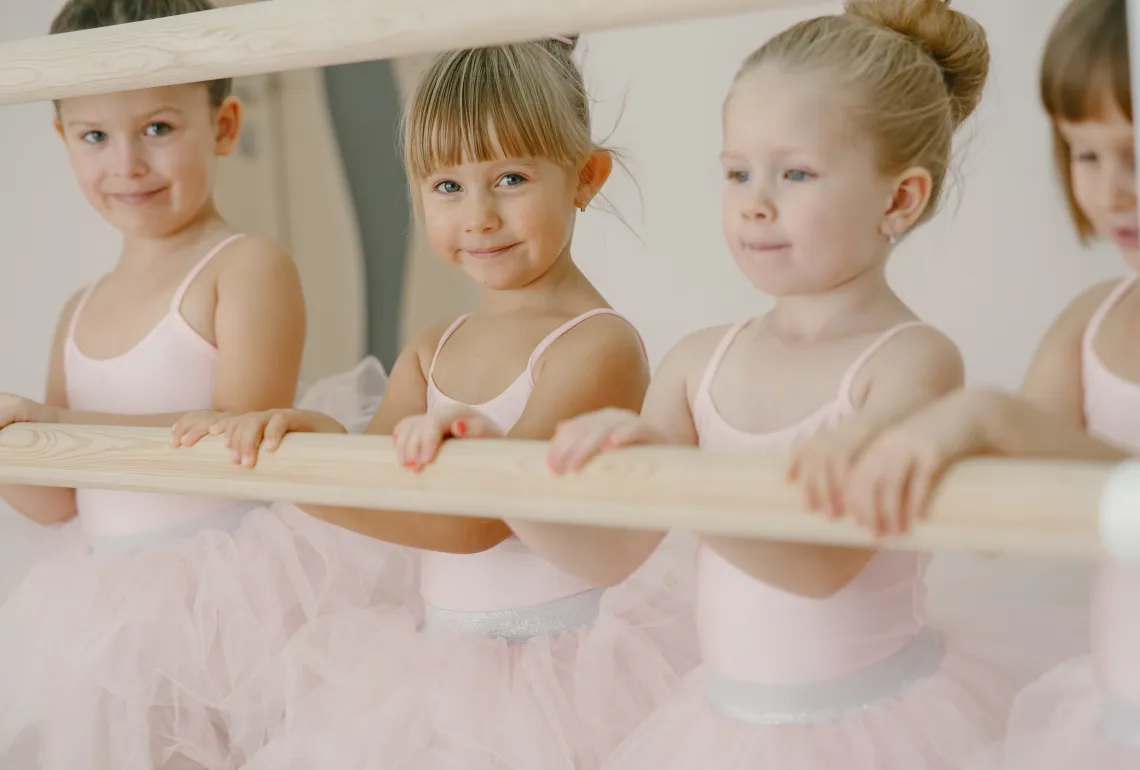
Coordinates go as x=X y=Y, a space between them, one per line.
x=279 y=35
x=1047 y=507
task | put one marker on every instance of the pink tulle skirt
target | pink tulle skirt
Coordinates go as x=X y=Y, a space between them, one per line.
x=171 y=655
x=989 y=635
x=167 y=650
x=374 y=691
x=1064 y=721
x=936 y=722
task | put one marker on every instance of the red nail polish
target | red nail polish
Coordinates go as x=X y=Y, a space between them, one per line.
x=461 y=428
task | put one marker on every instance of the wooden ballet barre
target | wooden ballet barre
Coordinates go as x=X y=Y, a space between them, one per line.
x=279 y=35
x=1046 y=507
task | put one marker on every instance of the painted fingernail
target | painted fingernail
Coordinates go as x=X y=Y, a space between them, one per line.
x=460 y=428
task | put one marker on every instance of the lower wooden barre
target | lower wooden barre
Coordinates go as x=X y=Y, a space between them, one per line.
x=1048 y=507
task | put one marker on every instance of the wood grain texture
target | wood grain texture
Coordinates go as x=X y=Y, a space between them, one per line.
x=1047 y=507
x=280 y=35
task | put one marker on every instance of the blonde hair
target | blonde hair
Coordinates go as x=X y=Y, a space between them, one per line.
x=916 y=69
x=523 y=100
x=1085 y=63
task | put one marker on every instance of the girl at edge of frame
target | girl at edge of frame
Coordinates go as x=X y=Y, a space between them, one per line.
x=152 y=636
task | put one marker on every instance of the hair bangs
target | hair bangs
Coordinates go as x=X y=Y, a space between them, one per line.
x=1085 y=69
x=476 y=108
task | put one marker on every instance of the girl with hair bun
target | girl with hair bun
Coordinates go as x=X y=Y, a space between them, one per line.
x=837 y=144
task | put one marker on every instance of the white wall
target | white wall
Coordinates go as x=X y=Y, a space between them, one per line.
x=992 y=270
x=51 y=244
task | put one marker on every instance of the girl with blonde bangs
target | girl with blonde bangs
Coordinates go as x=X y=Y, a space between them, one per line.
x=538 y=648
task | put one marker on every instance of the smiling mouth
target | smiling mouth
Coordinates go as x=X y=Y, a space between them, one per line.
x=133 y=199
x=764 y=247
x=490 y=253
x=1127 y=235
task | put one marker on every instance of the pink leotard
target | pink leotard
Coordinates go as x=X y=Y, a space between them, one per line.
x=775 y=657
x=170 y=370
x=482 y=592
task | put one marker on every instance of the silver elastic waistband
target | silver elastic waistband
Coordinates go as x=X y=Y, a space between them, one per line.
x=517 y=625
x=768 y=704
x=227 y=520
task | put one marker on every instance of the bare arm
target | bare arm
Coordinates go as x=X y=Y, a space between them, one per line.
x=260 y=334
x=406 y=395
x=1053 y=381
x=606 y=556
x=1018 y=427
x=898 y=471
x=914 y=370
x=49 y=505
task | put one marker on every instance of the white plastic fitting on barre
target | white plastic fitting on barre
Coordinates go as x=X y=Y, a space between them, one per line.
x=1120 y=513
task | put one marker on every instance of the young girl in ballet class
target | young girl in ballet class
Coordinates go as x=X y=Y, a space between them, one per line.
x=837 y=141
x=1080 y=400
x=534 y=652
x=145 y=640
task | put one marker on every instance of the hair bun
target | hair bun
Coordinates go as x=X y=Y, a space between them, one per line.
x=565 y=42
x=956 y=41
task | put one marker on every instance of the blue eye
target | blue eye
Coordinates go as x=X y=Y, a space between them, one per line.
x=797 y=175
x=158 y=129
x=447 y=187
x=511 y=180
x=740 y=177
x=94 y=137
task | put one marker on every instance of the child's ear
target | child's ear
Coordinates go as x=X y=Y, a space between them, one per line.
x=227 y=119
x=593 y=175
x=908 y=202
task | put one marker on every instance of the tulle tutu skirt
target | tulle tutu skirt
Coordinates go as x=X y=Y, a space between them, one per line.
x=376 y=692
x=991 y=636
x=936 y=722
x=1065 y=722
x=1037 y=608
x=167 y=652
x=1084 y=713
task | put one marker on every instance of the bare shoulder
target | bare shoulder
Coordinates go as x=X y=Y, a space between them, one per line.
x=699 y=346
x=685 y=363
x=603 y=334
x=1077 y=315
x=694 y=351
x=256 y=256
x=920 y=345
x=605 y=348
x=68 y=312
x=421 y=346
x=920 y=358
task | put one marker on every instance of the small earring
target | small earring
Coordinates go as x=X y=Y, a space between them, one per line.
x=582 y=206
x=892 y=238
